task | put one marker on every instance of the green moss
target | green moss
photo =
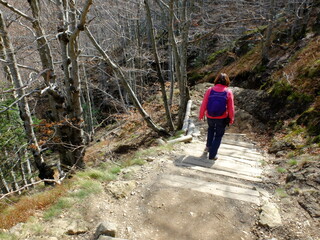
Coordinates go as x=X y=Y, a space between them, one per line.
x=259 y=68
x=314 y=70
x=213 y=56
x=311 y=119
x=256 y=30
x=281 y=89
x=316 y=139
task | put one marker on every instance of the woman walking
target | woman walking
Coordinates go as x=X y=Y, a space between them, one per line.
x=218 y=106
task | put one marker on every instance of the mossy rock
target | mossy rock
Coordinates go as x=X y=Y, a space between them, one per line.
x=212 y=57
x=246 y=43
x=311 y=119
x=281 y=89
x=194 y=77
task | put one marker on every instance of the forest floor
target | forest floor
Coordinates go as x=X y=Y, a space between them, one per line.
x=179 y=194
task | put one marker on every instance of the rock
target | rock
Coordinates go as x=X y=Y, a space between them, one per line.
x=76 y=228
x=270 y=215
x=309 y=201
x=281 y=146
x=281 y=154
x=107 y=229
x=109 y=238
x=160 y=142
x=121 y=189
x=150 y=159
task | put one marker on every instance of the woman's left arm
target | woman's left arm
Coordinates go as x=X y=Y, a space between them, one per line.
x=231 y=107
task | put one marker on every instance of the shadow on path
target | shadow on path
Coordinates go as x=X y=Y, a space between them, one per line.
x=186 y=161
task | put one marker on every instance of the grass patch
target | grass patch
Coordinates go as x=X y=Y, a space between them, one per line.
x=292 y=162
x=139 y=156
x=281 y=170
x=36 y=229
x=97 y=174
x=56 y=209
x=178 y=134
x=7 y=236
x=85 y=188
x=134 y=161
x=115 y=169
x=281 y=193
x=28 y=205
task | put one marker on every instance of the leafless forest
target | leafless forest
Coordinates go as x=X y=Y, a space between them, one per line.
x=67 y=66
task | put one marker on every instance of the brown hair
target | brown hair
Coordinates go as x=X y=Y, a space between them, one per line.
x=223 y=79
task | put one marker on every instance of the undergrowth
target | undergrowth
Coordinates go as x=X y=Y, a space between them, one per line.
x=27 y=206
x=72 y=192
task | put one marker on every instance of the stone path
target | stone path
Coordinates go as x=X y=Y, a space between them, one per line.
x=236 y=174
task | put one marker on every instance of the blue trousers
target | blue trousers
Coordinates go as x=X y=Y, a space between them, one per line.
x=216 y=128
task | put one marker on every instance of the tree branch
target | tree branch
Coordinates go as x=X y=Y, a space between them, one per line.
x=83 y=16
x=17 y=11
x=19 y=99
x=20 y=65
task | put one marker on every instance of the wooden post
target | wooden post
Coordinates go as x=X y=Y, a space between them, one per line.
x=187 y=116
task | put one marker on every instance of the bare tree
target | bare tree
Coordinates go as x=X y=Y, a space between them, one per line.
x=158 y=67
x=127 y=86
x=69 y=34
x=180 y=54
x=23 y=103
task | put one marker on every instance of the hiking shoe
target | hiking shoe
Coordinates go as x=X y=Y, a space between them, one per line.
x=213 y=159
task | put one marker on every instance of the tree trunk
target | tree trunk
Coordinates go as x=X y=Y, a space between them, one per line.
x=16 y=185
x=22 y=169
x=73 y=139
x=268 y=41
x=89 y=122
x=180 y=57
x=29 y=167
x=4 y=182
x=23 y=103
x=158 y=67
x=171 y=75
x=6 y=69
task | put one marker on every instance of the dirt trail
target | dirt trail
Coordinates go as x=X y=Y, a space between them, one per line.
x=195 y=199
x=182 y=195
